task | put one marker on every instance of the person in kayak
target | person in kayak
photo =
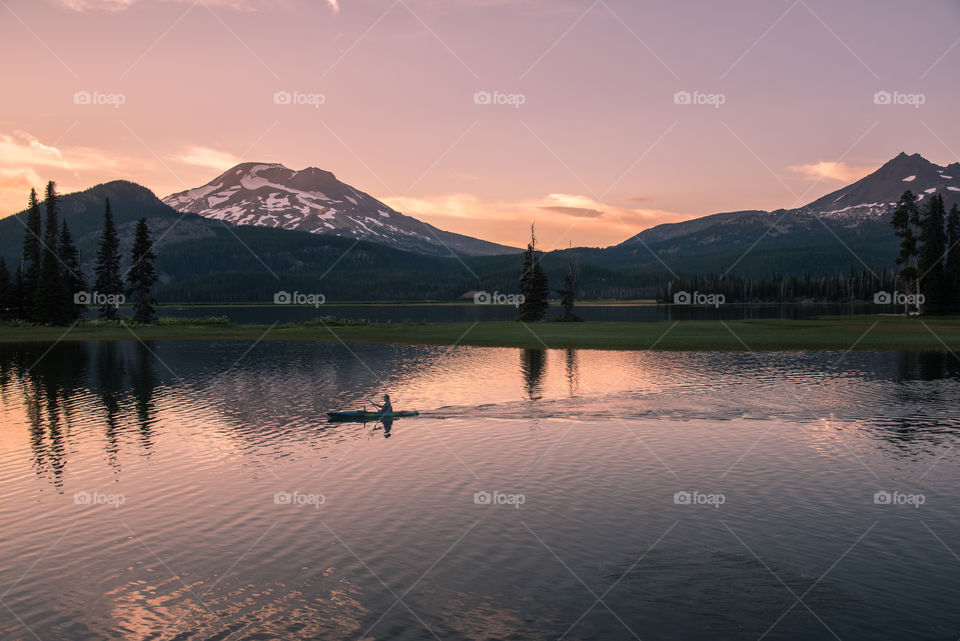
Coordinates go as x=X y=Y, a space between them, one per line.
x=387 y=408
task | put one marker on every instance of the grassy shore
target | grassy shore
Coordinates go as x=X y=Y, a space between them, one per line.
x=834 y=333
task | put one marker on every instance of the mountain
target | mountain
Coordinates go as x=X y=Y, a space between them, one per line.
x=203 y=260
x=313 y=200
x=83 y=212
x=876 y=193
x=850 y=226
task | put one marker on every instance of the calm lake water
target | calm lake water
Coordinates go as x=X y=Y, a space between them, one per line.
x=191 y=490
x=267 y=314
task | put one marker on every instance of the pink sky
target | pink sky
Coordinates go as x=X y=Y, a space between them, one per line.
x=598 y=150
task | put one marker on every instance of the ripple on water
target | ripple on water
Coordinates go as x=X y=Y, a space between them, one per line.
x=597 y=443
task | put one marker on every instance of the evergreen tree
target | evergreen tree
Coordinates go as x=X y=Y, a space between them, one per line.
x=142 y=275
x=107 y=280
x=51 y=291
x=19 y=295
x=906 y=225
x=32 y=247
x=72 y=274
x=932 y=250
x=6 y=291
x=533 y=284
x=951 y=275
x=51 y=202
x=568 y=295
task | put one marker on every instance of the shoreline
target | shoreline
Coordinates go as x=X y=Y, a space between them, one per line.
x=860 y=333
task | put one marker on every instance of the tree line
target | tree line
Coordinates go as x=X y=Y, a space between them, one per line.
x=926 y=277
x=929 y=258
x=48 y=286
x=854 y=286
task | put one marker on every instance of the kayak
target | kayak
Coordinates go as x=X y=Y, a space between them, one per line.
x=367 y=416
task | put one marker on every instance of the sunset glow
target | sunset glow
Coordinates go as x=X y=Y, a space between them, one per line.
x=479 y=117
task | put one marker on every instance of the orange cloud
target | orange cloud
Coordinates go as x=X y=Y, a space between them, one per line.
x=561 y=219
x=237 y=5
x=207 y=157
x=27 y=162
x=837 y=171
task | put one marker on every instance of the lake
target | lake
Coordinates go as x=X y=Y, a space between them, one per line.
x=466 y=312
x=195 y=490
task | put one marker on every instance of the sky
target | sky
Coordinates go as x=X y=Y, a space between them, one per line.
x=594 y=119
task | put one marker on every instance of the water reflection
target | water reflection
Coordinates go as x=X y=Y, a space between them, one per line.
x=200 y=436
x=69 y=383
x=533 y=363
x=927 y=366
x=144 y=383
x=573 y=374
x=119 y=388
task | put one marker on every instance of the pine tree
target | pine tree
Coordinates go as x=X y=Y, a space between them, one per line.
x=951 y=270
x=906 y=223
x=72 y=274
x=6 y=291
x=932 y=250
x=107 y=280
x=32 y=248
x=142 y=275
x=568 y=295
x=19 y=295
x=51 y=290
x=533 y=284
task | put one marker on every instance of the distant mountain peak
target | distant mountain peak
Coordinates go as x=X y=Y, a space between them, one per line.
x=875 y=194
x=313 y=200
x=862 y=206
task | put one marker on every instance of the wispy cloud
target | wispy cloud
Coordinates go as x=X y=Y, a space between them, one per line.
x=97 y=5
x=577 y=212
x=207 y=157
x=27 y=162
x=237 y=5
x=560 y=218
x=837 y=171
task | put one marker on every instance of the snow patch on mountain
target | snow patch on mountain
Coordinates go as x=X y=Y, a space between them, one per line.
x=313 y=200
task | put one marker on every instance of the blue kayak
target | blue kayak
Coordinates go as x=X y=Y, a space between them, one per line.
x=367 y=416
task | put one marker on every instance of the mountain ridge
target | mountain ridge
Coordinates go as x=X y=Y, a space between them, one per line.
x=315 y=201
x=873 y=196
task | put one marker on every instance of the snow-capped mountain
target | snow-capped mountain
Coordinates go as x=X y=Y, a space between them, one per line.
x=851 y=225
x=313 y=200
x=877 y=194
